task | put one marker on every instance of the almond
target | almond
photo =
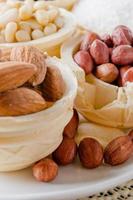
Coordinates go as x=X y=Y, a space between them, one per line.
x=90 y=153
x=70 y=129
x=14 y=74
x=99 y=52
x=66 y=152
x=53 y=86
x=34 y=56
x=118 y=151
x=20 y=101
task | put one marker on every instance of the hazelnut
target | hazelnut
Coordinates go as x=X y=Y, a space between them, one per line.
x=90 y=153
x=107 y=72
x=84 y=60
x=122 y=55
x=127 y=76
x=122 y=35
x=106 y=38
x=99 y=52
x=118 y=151
x=122 y=71
x=71 y=128
x=45 y=170
x=87 y=40
x=66 y=152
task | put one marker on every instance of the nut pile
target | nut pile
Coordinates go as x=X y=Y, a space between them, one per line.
x=90 y=152
x=109 y=57
x=24 y=21
x=27 y=84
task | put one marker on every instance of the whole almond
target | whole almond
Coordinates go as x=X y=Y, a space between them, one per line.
x=107 y=72
x=100 y=52
x=88 y=39
x=45 y=170
x=66 y=152
x=122 y=55
x=14 y=74
x=71 y=128
x=90 y=153
x=20 y=101
x=122 y=35
x=34 y=56
x=84 y=60
x=118 y=151
x=53 y=86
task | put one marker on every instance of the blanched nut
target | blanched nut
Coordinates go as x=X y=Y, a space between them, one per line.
x=128 y=76
x=23 y=25
x=40 y=5
x=25 y=12
x=99 y=52
x=10 y=31
x=42 y=17
x=87 y=40
x=84 y=60
x=52 y=13
x=122 y=71
x=36 y=34
x=59 y=22
x=22 y=36
x=107 y=72
x=34 y=24
x=50 y=29
x=45 y=170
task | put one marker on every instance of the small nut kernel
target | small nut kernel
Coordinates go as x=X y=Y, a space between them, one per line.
x=122 y=55
x=53 y=13
x=90 y=153
x=118 y=151
x=127 y=76
x=25 y=12
x=36 y=34
x=122 y=35
x=23 y=25
x=39 y=5
x=107 y=72
x=106 y=38
x=66 y=152
x=100 y=52
x=42 y=17
x=71 y=128
x=22 y=36
x=84 y=60
x=10 y=31
x=50 y=29
x=59 y=22
x=34 y=24
x=46 y=170
x=88 y=40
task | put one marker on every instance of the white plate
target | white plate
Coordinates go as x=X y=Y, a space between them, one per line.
x=72 y=182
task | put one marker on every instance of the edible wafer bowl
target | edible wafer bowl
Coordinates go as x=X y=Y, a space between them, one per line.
x=96 y=100
x=29 y=138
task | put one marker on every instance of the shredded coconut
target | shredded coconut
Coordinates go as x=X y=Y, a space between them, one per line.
x=102 y=16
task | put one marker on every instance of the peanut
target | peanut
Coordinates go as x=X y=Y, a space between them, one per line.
x=36 y=34
x=42 y=17
x=122 y=35
x=10 y=31
x=100 y=52
x=84 y=60
x=50 y=29
x=22 y=36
